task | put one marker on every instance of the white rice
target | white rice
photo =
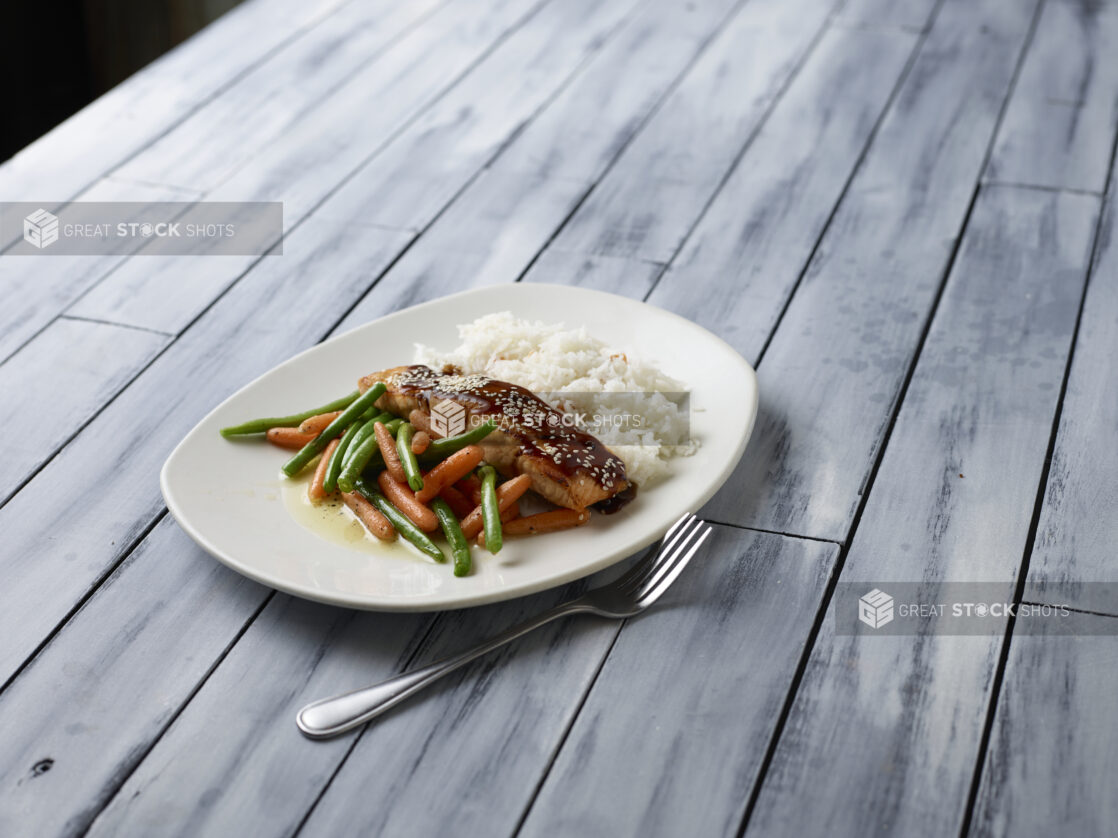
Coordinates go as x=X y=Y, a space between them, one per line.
x=576 y=372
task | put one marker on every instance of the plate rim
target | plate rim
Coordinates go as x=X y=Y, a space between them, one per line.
x=401 y=605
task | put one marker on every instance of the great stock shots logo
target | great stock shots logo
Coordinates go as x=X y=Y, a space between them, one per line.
x=875 y=609
x=448 y=418
x=966 y=608
x=40 y=228
x=158 y=228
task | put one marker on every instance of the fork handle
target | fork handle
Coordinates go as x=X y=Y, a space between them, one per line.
x=331 y=716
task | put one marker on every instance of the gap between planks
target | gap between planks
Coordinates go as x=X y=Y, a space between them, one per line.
x=1074 y=610
x=113 y=323
x=1043 y=188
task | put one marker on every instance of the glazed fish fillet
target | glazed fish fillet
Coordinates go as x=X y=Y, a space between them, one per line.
x=568 y=467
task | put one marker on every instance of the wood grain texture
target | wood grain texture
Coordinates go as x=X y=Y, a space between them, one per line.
x=1060 y=124
x=308 y=162
x=251 y=772
x=833 y=371
x=670 y=742
x=487 y=237
x=630 y=277
x=100 y=493
x=422 y=171
x=903 y=14
x=486 y=737
x=1053 y=752
x=748 y=251
x=145 y=698
x=1073 y=559
x=204 y=149
x=902 y=715
x=62 y=164
x=105 y=689
x=490 y=233
x=37 y=289
x=644 y=207
x=56 y=383
x=588 y=124
x=449 y=749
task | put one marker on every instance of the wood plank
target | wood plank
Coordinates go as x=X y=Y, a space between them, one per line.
x=304 y=165
x=1059 y=128
x=37 y=289
x=74 y=709
x=1053 y=753
x=836 y=363
x=952 y=502
x=630 y=277
x=674 y=731
x=334 y=651
x=651 y=198
x=63 y=163
x=57 y=383
x=405 y=187
x=1073 y=558
x=491 y=232
x=742 y=262
x=304 y=168
x=394 y=87
x=224 y=796
x=488 y=236
x=113 y=680
x=204 y=149
x=904 y=14
x=461 y=731
x=262 y=320
x=590 y=122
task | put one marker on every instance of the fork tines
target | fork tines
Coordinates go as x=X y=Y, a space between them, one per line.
x=656 y=571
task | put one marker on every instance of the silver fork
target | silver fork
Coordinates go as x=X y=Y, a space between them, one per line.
x=630 y=594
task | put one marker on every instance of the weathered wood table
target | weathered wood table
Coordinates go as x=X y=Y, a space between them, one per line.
x=900 y=212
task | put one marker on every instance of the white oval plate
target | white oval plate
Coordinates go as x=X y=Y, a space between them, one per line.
x=226 y=494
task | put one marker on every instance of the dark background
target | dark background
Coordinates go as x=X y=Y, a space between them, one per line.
x=58 y=55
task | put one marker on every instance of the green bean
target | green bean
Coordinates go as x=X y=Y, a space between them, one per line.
x=490 y=511
x=394 y=426
x=440 y=448
x=359 y=459
x=407 y=456
x=372 y=413
x=400 y=521
x=259 y=426
x=366 y=430
x=313 y=448
x=459 y=547
x=334 y=467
